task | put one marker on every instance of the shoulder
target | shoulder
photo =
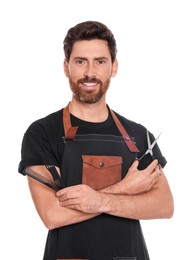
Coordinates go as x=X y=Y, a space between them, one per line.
x=131 y=126
x=42 y=140
x=48 y=125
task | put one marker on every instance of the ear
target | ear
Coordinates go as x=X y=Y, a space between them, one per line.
x=66 y=68
x=115 y=68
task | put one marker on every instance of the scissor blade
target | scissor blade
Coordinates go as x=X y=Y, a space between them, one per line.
x=149 y=143
x=155 y=141
x=150 y=146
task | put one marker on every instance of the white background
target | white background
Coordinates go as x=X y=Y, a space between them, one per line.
x=151 y=88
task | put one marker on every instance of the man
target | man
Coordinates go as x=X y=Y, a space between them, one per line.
x=104 y=189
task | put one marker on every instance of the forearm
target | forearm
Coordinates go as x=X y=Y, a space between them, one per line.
x=140 y=195
x=116 y=189
x=63 y=216
x=52 y=214
x=136 y=182
x=143 y=206
x=157 y=203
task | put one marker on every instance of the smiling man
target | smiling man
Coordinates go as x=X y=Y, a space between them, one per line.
x=90 y=152
x=91 y=67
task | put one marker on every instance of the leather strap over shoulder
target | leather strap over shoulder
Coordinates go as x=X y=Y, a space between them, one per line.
x=131 y=145
x=70 y=131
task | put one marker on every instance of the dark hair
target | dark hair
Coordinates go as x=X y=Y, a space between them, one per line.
x=89 y=30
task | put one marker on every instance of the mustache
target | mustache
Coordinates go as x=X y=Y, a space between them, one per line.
x=89 y=80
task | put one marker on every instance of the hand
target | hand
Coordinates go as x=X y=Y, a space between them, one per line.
x=81 y=197
x=140 y=181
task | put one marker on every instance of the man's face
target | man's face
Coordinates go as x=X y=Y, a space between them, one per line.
x=90 y=70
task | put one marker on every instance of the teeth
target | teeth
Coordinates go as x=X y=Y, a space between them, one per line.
x=90 y=84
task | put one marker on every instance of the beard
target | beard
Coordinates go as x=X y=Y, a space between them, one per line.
x=88 y=96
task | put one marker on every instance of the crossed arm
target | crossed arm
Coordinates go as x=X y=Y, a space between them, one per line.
x=141 y=194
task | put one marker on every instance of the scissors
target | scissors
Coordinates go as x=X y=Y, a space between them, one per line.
x=150 y=146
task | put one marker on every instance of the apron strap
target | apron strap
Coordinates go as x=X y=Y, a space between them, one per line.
x=70 y=131
x=130 y=144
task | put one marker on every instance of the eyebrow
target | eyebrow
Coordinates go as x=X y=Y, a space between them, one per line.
x=98 y=58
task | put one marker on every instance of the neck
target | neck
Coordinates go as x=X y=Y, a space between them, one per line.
x=95 y=112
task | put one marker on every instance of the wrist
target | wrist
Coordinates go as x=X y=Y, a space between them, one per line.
x=119 y=188
x=106 y=202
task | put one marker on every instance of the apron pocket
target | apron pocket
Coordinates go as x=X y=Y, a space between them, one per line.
x=101 y=171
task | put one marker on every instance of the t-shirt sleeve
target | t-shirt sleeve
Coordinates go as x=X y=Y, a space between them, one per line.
x=36 y=148
x=157 y=154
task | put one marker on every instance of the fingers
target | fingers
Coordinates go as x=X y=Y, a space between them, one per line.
x=68 y=197
x=158 y=169
x=67 y=193
x=62 y=192
x=152 y=166
x=155 y=175
x=73 y=192
x=135 y=164
x=68 y=189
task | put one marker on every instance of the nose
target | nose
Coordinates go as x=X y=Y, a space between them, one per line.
x=90 y=71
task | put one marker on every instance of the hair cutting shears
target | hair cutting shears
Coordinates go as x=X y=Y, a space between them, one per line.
x=150 y=146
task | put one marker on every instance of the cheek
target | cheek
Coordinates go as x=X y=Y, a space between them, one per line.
x=107 y=74
x=75 y=74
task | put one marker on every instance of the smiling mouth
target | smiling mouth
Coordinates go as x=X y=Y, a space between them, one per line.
x=89 y=85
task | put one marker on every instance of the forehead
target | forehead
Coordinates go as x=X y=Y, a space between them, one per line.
x=90 y=48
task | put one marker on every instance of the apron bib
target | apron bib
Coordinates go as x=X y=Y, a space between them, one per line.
x=98 y=161
x=93 y=159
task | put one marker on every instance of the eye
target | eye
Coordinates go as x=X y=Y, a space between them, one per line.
x=101 y=61
x=80 y=61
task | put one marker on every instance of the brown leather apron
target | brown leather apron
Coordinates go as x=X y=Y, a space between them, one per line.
x=98 y=161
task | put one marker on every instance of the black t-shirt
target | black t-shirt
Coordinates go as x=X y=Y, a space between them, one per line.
x=102 y=237
x=47 y=134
